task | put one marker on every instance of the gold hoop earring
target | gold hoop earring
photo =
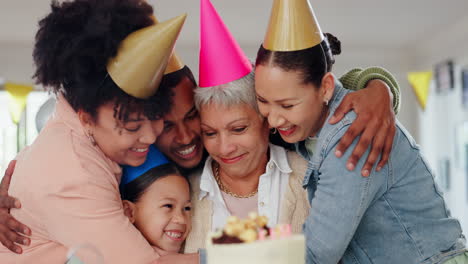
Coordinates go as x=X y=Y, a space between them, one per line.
x=91 y=138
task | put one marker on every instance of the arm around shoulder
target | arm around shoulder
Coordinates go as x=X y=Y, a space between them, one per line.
x=86 y=209
x=357 y=79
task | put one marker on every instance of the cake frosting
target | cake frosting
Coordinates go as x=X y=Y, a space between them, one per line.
x=252 y=241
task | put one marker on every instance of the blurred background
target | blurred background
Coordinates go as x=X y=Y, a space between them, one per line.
x=427 y=38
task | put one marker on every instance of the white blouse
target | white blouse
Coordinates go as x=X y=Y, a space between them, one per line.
x=271 y=188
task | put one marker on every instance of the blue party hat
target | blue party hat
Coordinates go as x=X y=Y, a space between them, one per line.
x=154 y=159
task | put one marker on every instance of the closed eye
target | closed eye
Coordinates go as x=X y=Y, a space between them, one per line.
x=131 y=129
x=239 y=129
x=208 y=133
x=261 y=100
x=192 y=115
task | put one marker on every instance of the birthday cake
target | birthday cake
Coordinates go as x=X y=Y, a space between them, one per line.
x=251 y=241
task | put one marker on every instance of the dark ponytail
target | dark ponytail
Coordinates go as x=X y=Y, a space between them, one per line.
x=334 y=43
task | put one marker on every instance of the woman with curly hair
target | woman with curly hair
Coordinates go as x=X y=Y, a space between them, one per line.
x=105 y=117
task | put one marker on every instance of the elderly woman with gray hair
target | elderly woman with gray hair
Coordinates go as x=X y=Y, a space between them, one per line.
x=244 y=173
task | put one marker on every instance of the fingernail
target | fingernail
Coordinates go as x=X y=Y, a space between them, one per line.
x=17 y=204
x=25 y=242
x=350 y=166
x=338 y=153
x=26 y=231
x=17 y=250
x=365 y=173
x=379 y=168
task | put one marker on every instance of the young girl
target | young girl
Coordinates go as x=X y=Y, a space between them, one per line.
x=397 y=214
x=156 y=199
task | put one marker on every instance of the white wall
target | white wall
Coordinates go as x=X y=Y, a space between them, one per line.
x=444 y=114
x=16 y=62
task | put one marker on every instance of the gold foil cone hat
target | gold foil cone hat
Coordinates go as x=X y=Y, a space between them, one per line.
x=292 y=26
x=175 y=63
x=143 y=57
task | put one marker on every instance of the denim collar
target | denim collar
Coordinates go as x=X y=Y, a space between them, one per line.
x=324 y=134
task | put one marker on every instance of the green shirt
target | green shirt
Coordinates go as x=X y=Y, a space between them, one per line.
x=358 y=78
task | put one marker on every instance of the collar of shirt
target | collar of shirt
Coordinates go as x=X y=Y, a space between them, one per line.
x=271 y=187
x=64 y=113
x=310 y=144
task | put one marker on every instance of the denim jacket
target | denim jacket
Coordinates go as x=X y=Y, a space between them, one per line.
x=396 y=215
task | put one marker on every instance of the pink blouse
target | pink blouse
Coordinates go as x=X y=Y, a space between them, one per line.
x=69 y=194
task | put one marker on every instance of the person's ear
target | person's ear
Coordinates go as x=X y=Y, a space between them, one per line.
x=129 y=210
x=86 y=119
x=328 y=86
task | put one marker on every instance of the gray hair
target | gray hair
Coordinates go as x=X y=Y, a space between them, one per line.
x=241 y=91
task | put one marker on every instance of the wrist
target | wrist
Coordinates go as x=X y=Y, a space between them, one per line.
x=381 y=85
x=378 y=73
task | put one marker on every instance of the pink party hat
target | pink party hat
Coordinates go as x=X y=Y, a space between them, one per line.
x=221 y=59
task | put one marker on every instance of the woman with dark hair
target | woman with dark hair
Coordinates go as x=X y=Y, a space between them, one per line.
x=396 y=214
x=104 y=59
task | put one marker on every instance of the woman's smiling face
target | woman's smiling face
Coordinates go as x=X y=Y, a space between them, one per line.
x=294 y=108
x=123 y=142
x=235 y=136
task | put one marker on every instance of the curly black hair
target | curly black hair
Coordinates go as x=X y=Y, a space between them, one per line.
x=73 y=45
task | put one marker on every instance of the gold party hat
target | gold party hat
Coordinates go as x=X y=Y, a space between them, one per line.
x=292 y=26
x=175 y=63
x=143 y=57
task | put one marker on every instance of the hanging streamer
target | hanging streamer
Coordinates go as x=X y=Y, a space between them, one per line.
x=420 y=82
x=17 y=96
